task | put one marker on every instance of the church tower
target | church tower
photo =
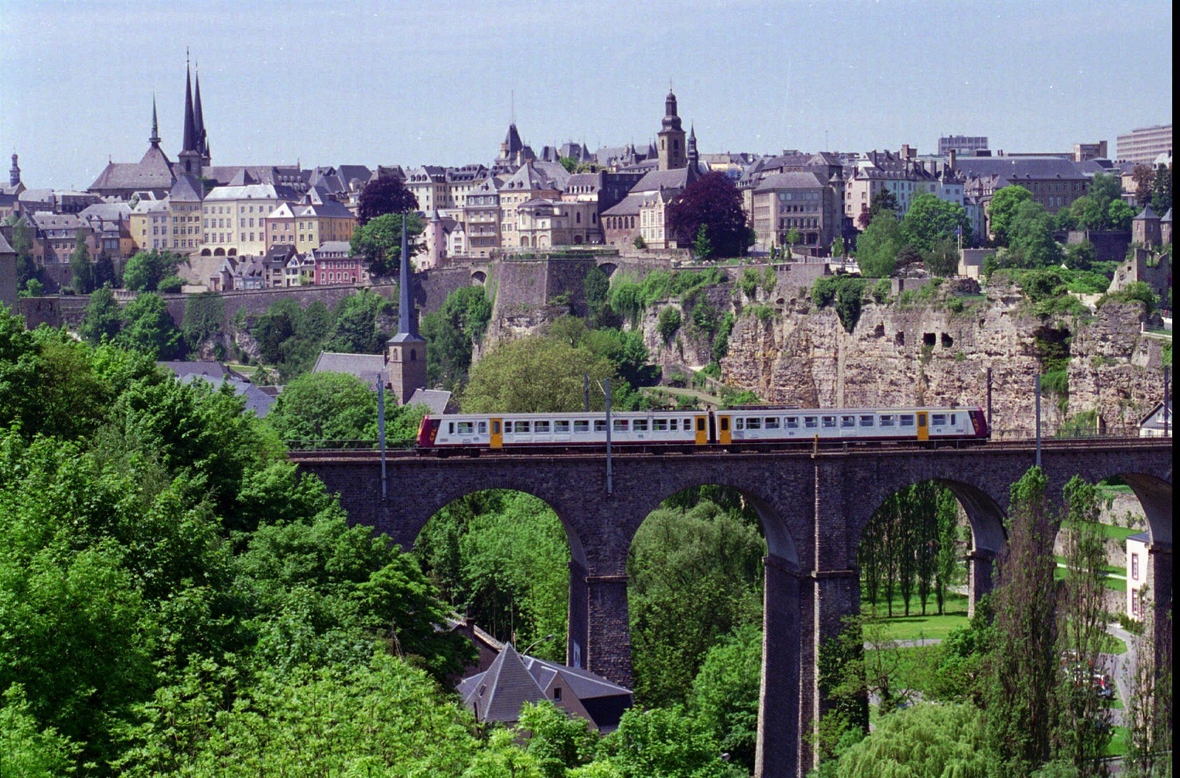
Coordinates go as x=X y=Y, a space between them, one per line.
x=672 y=151
x=406 y=351
x=14 y=173
x=190 y=155
x=202 y=138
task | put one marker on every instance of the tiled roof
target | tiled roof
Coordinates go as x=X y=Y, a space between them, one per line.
x=187 y=189
x=1017 y=169
x=154 y=171
x=4 y=247
x=790 y=181
x=435 y=399
x=503 y=688
x=367 y=367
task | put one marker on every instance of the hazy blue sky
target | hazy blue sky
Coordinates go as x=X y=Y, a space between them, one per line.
x=411 y=83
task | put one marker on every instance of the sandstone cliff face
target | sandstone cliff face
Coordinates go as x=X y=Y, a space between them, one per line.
x=930 y=355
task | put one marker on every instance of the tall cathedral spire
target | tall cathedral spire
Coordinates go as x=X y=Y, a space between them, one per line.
x=199 y=121
x=406 y=351
x=190 y=123
x=155 y=139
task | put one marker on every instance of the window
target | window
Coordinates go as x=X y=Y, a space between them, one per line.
x=557 y=694
x=810 y=422
x=561 y=427
x=753 y=424
x=483 y=428
x=791 y=422
x=620 y=425
x=640 y=425
x=739 y=423
x=829 y=422
x=954 y=419
x=1134 y=567
x=451 y=428
x=887 y=420
x=700 y=423
x=541 y=428
x=466 y=427
x=659 y=425
x=907 y=420
x=600 y=425
x=938 y=420
x=866 y=421
x=581 y=425
x=771 y=422
x=847 y=422
x=522 y=426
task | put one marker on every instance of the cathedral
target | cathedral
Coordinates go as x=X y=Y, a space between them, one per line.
x=155 y=172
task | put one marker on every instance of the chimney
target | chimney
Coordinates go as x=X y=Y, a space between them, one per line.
x=950 y=159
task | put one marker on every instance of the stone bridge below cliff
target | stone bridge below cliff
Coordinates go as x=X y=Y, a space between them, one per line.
x=813 y=507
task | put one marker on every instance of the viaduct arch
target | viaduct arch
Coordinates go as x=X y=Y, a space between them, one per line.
x=813 y=508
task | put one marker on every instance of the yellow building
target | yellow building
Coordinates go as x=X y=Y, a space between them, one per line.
x=309 y=225
x=235 y=218
x=151 y=225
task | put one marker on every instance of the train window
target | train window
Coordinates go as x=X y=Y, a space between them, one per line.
x=866 y=421
x=954 y=419
x=507 y=427
x=887 y=420
x=771 y=422
x=541 y=427
x=466 y=427
x=921 y=420
x=739 y=423
x=724 y=423
x=599 y=425
x=810 y=422
x=495 y=427
x=847 y=421
x=907 y=420
x=620 y=425
x=450 y=428
x=700 y=423
x=938 y=420
x=829 y=421
x=672 y=424
x=483 y=428
x=640 y=425
x=792 y=422
x=754 y=424
x=659 y=425
x=581 y=425
x=522 y=426
x=562 y=426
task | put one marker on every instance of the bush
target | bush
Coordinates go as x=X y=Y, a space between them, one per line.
x=1136 y=292
x=843 y=291
x=749 y=283
x=668 y=323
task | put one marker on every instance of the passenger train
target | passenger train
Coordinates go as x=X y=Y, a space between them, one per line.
x=735 y=429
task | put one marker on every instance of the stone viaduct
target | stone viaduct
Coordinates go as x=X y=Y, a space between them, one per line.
x=813 y=507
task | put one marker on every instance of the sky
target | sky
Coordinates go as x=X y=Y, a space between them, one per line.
x=411 y=83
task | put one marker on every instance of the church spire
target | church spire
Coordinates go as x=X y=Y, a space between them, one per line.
x=155 y=139
x=199 y=120
x=14 y=172
x=190 y=124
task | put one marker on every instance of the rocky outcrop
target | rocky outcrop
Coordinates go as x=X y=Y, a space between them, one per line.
x=935 y=355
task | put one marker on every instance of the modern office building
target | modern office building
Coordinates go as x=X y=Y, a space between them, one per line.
x=1144 y=144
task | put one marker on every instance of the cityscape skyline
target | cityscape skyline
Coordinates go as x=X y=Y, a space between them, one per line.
x=763 y=85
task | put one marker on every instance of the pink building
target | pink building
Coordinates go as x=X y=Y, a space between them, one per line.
x=334 y=266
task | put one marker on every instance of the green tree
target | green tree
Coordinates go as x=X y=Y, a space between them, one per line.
x=147 y=269
x=878 y=246
x=451 y=334
x=1030 y=237
x=1002 y=210
x=1082 y=728
x=103 y=317
x=838 y=247
x=26 y=749
x=203 y=315
x=1161 y=190
x=702 y=247
x=1119 y=215
x=930 y=220
x=725 y=693
x=1080 y=256
x=934 y=740
x=694 y=576
x=1023 y=667
x=943 y=258
x=662 y=743
x=793 y=239
x=81 y=274
x=147 y=327
x=596 y=289
x=22 y=244
x=558 y=741
x=668 y=323
x=534 y=374
x=883 y=200
x=363 y=322
x=321 y=408
x=379 y=242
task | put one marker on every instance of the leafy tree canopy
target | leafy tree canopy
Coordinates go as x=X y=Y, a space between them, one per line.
x=103 y=317
x=714 y=202
x=317 y=408
x=1002 y=210
x=384 y=195
x=923 y=740
x=147 y=269
x=147 y=327
x=535 y=374
x=878 y=246
x=379 y=241
x=931 y=219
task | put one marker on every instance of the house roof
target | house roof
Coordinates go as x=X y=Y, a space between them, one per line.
x=1142 y=537
x=1021 y=168
x=153 y=171
x=252 y=192
x=187 y=189
x=367 y=367
x=790 y=181
x=1146 y=214
x=498 y=693
x=5 y=248
x=257 y=401
x=435 y=399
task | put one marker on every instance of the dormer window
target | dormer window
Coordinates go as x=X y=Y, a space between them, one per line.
x=557 y=694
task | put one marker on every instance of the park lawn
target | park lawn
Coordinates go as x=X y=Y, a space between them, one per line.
x=1114 y=584
x=1118 y=742
x=919 y=627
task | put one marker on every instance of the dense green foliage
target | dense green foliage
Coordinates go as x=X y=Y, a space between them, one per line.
x=145 y=270
x=878 y=246
x=1002 y=210
x=843 y=292
x=930 y=219
x=203 y=315
x=926 y=740
x=103 y=318
x=325 y=409
x=379 y=241
x=452 y=332
x=148 y=328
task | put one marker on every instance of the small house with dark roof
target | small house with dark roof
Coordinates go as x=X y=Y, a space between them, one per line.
x=498 y=693
x=1158 y=423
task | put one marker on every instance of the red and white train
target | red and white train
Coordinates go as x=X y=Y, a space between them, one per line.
x=732 y=428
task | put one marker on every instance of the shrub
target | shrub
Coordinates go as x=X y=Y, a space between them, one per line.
x=668 y=323
x=749 y=283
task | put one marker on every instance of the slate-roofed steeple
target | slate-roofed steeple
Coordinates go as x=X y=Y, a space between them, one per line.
x=202 y=140
x=155 y=139
x=190 y=122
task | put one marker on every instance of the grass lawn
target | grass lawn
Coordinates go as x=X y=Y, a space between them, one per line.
x=916 y=626
x=1118 y=584
x=1118 y=742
